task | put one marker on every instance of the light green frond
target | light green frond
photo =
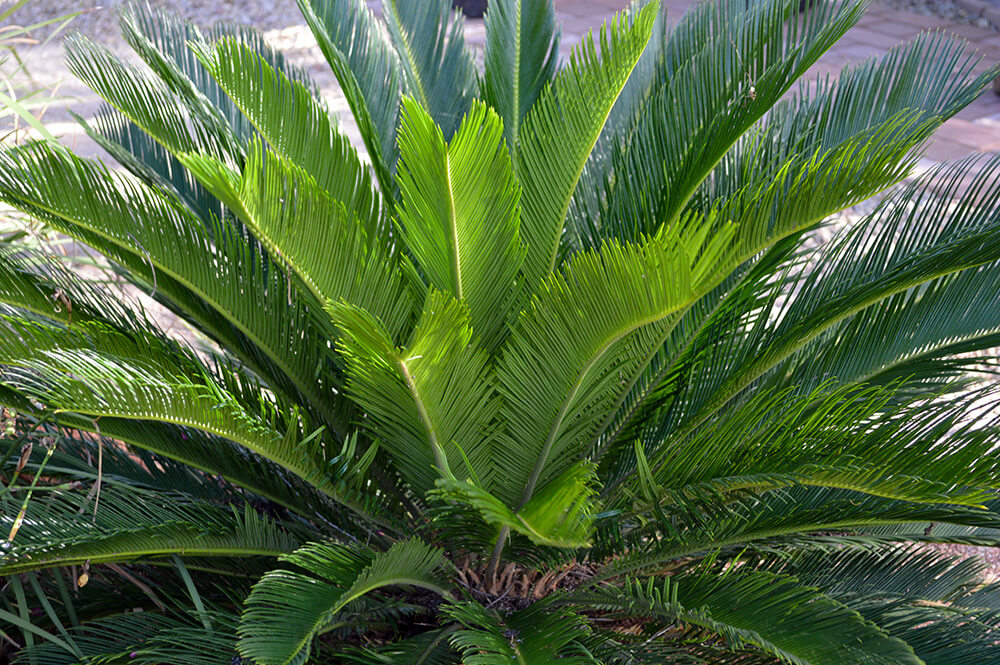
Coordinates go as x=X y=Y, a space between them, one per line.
x=149 y=102
x=583 y=216
x=286 y=609
x=297 y=126
x=165 y=42
x=560 y=131
x=522 y=50
x=851 y=438
x=242 y=299
x=432 y=405
x=937 y=226
x=557 y=516
x=932 y=336
x=99 y=373
x=613 y=304
x=460 y=212
x=313 y=236
x=724 y=66
x=438 y=69
x=793 y=516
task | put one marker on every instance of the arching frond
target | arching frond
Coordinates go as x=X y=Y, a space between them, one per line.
x=286 y=608
x=132 y=524
x=361 y=54
x=429 y=36
x=794 y=622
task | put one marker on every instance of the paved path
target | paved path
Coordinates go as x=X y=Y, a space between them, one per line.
x=975 y=129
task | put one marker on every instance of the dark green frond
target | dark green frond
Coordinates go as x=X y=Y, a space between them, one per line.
x=286 y=608
x=522 y=49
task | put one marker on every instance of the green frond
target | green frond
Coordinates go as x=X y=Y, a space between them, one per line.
x=583 y=215
x=431 y=404
x=99 y=373
x=311 y=234
x=724 y=66
x=612 y=303
x=36 y=283
x=794 y=515
x=145 y=638
x=557 y=516
x=931 y=336
x=149 y=161
x=361 y=54
x=133 y=524
x=852 y=438
x=951 y=226
x=906 y=572
x=774 y=613
x=438 y=69
x=242 y=300
x=522 y=50
x=537 y=635
x=297 y=126
x=167 y=45
x=286 y=609
x=150 y=103
x=460 y=212
x=562 y=127
x=220 y=457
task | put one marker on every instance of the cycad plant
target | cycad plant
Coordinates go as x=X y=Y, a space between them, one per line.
x=575 y=365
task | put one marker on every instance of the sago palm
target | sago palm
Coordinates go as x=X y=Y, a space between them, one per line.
x=572 y=367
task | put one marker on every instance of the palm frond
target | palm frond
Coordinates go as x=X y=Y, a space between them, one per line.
x=723 y=67
x=296 y=125
x=429 y=36
x=559 y=133
x=778 y=614
x=99 y=373
x=951 y=228
x=560 y=515
x=150 y=103
x=539 y=634
x=361 y=54
x=242 y=299
x=286 y=608
x=432 y=428
x=311 y=235
x=460 y=213
x=613 y=303
x=63 y=530
x=522 y=49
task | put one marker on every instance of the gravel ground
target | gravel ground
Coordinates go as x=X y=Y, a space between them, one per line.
x=945 y=9
x=98 y=19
